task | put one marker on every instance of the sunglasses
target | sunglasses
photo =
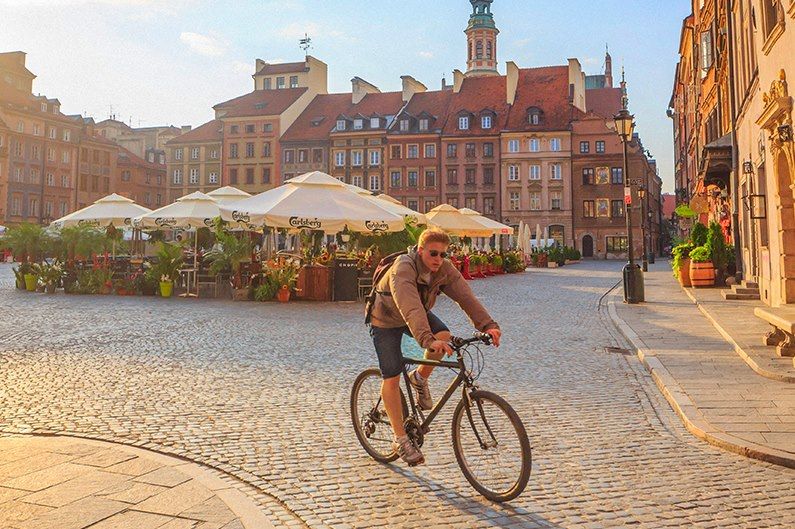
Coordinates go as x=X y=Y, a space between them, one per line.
x=437 y=253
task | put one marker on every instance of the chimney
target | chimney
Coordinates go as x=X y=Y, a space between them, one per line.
x=184 y=129
x=360 y=88
x=258 y=64
x=410 y=87
x=512 y=82
x=458 y=80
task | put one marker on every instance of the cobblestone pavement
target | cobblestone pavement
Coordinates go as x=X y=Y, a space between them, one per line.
x=261 y=391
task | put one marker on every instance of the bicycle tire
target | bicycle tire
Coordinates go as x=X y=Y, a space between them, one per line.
x=357 y=417
x=460 y=415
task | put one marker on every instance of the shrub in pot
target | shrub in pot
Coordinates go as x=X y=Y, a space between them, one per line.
x=702 y=272
x=681 y=262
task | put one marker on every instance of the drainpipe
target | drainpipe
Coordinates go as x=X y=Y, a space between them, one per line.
x=735 y=177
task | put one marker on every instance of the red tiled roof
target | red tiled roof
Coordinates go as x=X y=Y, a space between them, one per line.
x=546 y=88
x=261 y=102
x=326 y=108
x=476 y=94
x=668 y=205
x=383 y=104
x=128 y=157
x=101 y=139
x=434 y=103
x=603 y=101
x=285 y=67
x=210 y=131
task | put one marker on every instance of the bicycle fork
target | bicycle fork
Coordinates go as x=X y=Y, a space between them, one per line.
x=485 y=445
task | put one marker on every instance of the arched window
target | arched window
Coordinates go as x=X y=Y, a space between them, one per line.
x=479 y=49
x=488 y=49
x=534 y=116
x=471 y=50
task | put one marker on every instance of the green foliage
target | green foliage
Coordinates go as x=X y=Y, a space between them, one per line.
x=514 y=262
x=698 y=235
x=386 y=243
x=27 y=240
x=556 y=255
x=679 y=253
x=266 y=291
x=169 y=261
x=49 y=274
x=91 y=281
x=413 y=230
x=716 y=244
x=700 y=254
x=497 y=260
x=83 y=241
x=229 y=252
x=571 y=254
x=685 y=211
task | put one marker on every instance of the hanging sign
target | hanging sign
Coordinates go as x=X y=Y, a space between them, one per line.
x=628 y=195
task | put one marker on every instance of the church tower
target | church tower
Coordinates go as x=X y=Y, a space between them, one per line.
x=481 y=40
x=608 y=69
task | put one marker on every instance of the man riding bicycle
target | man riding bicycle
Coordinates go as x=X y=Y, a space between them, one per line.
x=404 y=298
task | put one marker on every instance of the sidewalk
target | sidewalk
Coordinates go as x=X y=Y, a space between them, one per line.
x=69 y=483
x=718 y=396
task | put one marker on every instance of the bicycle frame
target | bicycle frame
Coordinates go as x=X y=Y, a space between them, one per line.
x=461 y=378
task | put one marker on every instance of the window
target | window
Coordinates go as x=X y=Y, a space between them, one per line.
x=358 y=124
x=177 y=176
x=193 y=177
x=513 y=173
x=554 y=144
x=356 y=158
x=535 y=172
x=556 y=232
x=513 y=145
x=15 y=206
x=250 y=149
x=266 y=175
x=357 y=180
x=412 y=151
x=279 y=83
x=488 y=49
x=469 y=175
x=233 y=176
x=488 y=205
x=194 y=153
x=161 y=158
x=214 y=154
x=479 y=49
x=339 y=159
x=64 y=181
x=267 y=127
x=488 y=175
x=395 y=179
x=555 y=200
x=412 y=178
x=429 y=205
x=67 y=135
x=51 y=178
x=600 y=146
x=249 y=175
x=617 y=208
x=289 y=156
x=485 y=122
x=585 y=146
x=64 y=208
x=514 y=201
x=34 y=152
x=453 y=201
x=706 y=51
x=266 y=83
x=452 y=150
x=233 y=150
x=452 y=176
x=178 y=154
x=395 y=152
x=375 y=182
x=469 y=150
x=340 y=124
x=534 y=145
x=234 y=129
x=412 y=204
x=430 y=178
x=588 y=209
x=213 y=179
x=266 y=149
x=53 y=133
x=535 y=201
x=404 y=125
x=375 y=123
x=424 y=124
x=125 y=176
x=33 y=210
x=293 y=81
x=488 y=150
x=303 y=155
x=249 y=129
x=317 y=155
x=44 y=107
x=375 y=158
x=48 y=209
x=554 y=171
x=34 y=176
x=36 y=129
x=616 y=244
x=617 y=175
x=463 y=123
x=587 y=176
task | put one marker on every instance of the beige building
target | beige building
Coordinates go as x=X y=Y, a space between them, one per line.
x=194 y=162
x=139 y=140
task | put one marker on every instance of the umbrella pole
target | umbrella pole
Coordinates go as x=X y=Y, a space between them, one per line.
x=196 y=263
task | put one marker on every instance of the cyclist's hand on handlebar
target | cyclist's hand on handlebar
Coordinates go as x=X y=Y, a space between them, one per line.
x=495 y=336
x=441 y=345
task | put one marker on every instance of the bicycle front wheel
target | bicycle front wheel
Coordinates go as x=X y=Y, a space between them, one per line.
x=370 y=421
x=491 y=446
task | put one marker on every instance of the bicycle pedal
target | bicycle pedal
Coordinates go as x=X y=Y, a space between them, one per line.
x=420 y=462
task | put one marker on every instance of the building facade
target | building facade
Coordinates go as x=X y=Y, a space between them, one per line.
x=140 y=180
x=194 y=161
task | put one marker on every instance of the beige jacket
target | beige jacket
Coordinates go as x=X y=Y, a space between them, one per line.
x=409 y=290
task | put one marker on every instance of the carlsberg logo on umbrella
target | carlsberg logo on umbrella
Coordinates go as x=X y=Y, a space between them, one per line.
x=165 y=222
x=376 y=225
x=88 y=222
x=241 y=216
x=299 y=222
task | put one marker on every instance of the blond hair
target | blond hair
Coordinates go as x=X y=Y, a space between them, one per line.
x=432 y=235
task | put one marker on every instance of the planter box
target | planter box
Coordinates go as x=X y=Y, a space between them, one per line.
x=314 y=283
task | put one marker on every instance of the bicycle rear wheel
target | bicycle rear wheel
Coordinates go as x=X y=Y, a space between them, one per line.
x=370 y=421
x=491 y=446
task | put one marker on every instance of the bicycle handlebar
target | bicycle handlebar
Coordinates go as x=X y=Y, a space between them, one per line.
x=482 y=337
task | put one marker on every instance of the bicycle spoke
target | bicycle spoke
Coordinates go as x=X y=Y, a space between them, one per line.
x=373 y=421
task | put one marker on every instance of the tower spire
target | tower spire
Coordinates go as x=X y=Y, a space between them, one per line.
x=608 y=68
x=481 y=34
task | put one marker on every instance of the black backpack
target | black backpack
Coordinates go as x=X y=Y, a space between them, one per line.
x=380 y=271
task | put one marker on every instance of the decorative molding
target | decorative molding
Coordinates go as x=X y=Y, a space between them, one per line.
x=791 y=8
x=777 y=111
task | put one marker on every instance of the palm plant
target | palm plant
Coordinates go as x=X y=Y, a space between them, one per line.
x=228 y=254
x=169 y=261
x=28 y=242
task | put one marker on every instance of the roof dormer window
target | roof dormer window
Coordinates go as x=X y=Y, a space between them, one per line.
x=340 y=124
x=404 y=125
x=375 y=123
x=463 y=123
x=358 y=124
x=485 y=122
x=44 y=107
x=534 y=116
x=424 y=124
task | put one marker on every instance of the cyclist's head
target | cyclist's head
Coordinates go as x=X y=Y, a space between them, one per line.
x=432 y=248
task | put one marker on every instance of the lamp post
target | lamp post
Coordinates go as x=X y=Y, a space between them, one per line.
x=642 y=197
x=633 y=276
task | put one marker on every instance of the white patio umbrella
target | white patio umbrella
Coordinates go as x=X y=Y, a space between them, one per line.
x=519 y=235
x=112 y=210
x=315 y=201
x=192 y=211
x=226 y=194
x=497 y=228
x=394 y=205
x=538 y=235
x=527 y=239
x=452 y=221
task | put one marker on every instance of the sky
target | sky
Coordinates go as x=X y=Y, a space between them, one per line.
x=167 y=62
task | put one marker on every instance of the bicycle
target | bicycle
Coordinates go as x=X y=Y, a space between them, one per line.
x=488 y=416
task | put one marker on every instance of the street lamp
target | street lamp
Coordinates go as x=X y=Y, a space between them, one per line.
x=633 y=276
x=642 y=198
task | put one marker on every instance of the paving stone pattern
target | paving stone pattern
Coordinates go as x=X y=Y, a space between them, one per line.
x=261 y=391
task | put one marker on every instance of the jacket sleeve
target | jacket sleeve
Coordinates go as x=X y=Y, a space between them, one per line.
x=459 y=291
x=403 y=286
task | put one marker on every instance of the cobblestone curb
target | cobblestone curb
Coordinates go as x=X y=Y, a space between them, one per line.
x=747 y=357
x=688 y=412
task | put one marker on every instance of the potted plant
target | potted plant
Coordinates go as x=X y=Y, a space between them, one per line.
x=284 y=278
x=498 y=264
x=19 y=275
x=227 y=256
x=49 y=275
x=169 y=261
x=681 y=262
x=702 y=272
x=716 y=243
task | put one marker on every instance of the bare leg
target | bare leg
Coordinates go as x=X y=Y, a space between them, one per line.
x=425 y=371
x=390 y=393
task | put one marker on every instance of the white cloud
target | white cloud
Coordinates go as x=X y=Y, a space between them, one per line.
x=212 y=44
x=242 y=67
x=297 y=30
x=426 y=54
